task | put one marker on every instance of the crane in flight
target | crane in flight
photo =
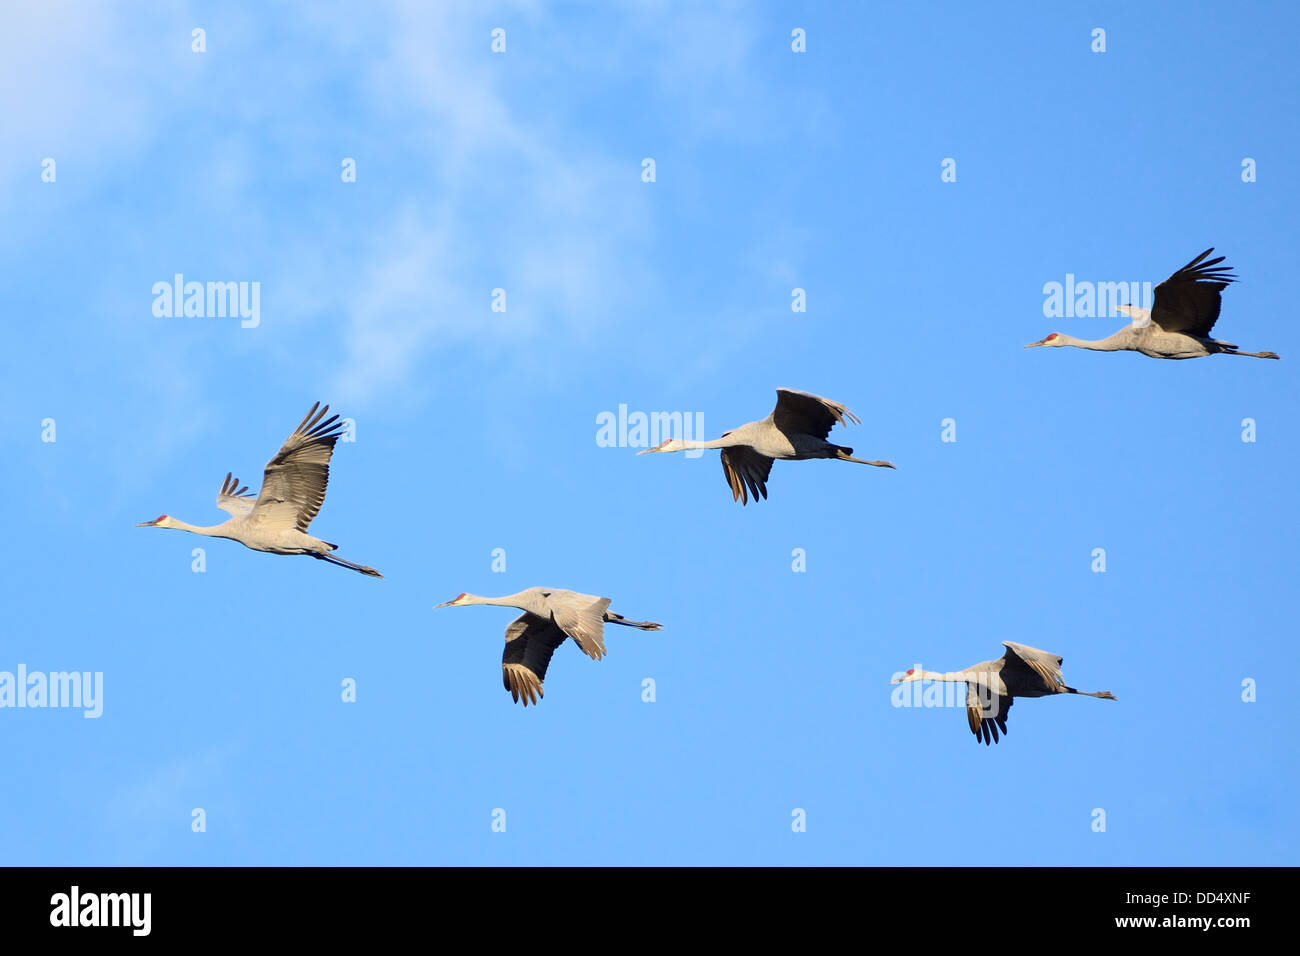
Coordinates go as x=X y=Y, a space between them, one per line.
x=795 y=431
x=993 y=686
x=293 y=489
x=550 y=616
x=1178 y=324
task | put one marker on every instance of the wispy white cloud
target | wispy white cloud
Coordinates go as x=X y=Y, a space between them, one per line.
x=75 y=87
x=555 y=222
x=493 y=189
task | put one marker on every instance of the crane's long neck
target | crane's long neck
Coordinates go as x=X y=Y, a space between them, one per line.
x=508 y=600
x=971 y=675
x=935 y=675
x=211 y=531
x=726 y=441
x=1118 y=342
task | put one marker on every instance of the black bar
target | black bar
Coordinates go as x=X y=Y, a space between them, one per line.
x=332 y=905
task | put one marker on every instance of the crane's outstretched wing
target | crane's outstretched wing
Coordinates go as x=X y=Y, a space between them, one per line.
x=583 y=622
x=231 y=497
x=1043 y=663
x=530 y=642
x=1188 y=301
x=743 y=466
x=811 y=414
x=986 y=712
x=293 y=487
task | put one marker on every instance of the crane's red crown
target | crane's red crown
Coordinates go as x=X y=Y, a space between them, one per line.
x=1050 y=337
x=459 y=596
x=160 y=518
x=911 y=671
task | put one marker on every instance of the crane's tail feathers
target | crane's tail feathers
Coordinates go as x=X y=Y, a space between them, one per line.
x=345 y=563
x=846 y=454
x=613 y=618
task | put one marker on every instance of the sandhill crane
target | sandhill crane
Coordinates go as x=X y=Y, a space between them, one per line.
x=550 y=615
x=1178 y=324
x=992 y=687
x=796 y=430
x=293 y=489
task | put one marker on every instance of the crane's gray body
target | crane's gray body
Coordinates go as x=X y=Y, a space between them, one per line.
x=770 y=441
x=796 y=430
x=1179 y=322
x=992 y=686
x=551 y=615
x=275 y=521
x=1153 y=342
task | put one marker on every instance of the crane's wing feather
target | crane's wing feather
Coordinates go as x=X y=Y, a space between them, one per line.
x=583 y=622
x=293 y=487
x=530 y=642
x=745 y=467
x=804 y=412
x=986 y=712
x=231 y=497
x=1043 y=663
x=1189 y=300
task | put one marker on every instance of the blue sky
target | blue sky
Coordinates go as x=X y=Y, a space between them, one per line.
x=476 y=430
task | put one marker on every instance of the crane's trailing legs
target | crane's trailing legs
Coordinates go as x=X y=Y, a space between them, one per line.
x=612 y=618
x=344 y=562
x=846 y=454
x=1103 y=694
x=1233 y=351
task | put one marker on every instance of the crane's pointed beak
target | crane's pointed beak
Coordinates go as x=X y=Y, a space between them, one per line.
x=646 y=451
x=146 y=524
x=1033 y=344
x=443 y=604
